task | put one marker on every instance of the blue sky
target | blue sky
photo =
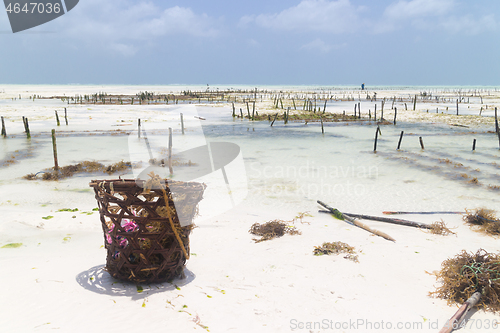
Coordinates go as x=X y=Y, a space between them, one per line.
x=308 y=42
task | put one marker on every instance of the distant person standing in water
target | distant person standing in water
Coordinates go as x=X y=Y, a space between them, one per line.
x=363 y=86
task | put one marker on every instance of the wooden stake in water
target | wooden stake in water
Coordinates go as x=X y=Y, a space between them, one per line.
x=400 y=139
x=4 y=132
x=139 y=128
x=234 y=115
x=395 y=114
x=182 y=122
x=57 y=119
x=171 y=170
x=421 y=142
x=275 y=116
x=474 y=145
x=497 y=128
x=27 y=128
x=359 y=110
x=375 y=113
x=376 y=138
x=54 y=149
x=324 y=108
x=322 y=129
x=415 y=103
x=66 y=116
x=457 y=107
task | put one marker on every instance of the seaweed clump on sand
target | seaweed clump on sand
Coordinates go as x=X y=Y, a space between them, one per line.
x=483 y=220
x=466 y=273
x=440 y=228
x=272 y=229
x=336 y=248
x=86 y=166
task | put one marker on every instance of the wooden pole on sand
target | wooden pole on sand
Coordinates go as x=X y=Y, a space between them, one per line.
x=350 y=220
x=171 y=170
x=54 y=149
x=459 y=316
x=386 y=219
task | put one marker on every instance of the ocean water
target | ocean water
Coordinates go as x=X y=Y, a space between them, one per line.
x=285 y=167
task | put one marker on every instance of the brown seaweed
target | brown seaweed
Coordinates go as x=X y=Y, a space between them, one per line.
x=483 y=220
x=467 y=273
x=272 y=229
x=336 y=248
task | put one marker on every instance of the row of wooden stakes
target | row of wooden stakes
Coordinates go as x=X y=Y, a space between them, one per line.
x=27 y=126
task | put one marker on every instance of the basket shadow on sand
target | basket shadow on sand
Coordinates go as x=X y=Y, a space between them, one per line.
x=97 y=280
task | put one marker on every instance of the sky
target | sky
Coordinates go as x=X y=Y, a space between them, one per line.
x=259 y=42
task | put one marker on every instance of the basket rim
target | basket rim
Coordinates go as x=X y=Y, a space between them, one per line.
x=130 y=183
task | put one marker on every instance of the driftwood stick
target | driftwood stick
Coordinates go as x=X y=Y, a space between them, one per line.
x=459 y=316
x=394 y=213
x=386 y=219
x=350 y=220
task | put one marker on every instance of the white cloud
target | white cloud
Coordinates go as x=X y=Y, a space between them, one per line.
x=118 y=25
x=311 y=15
x=470 y=25
x=418 y=8
x=124 y=49
x=318 y=45
x=432 y=15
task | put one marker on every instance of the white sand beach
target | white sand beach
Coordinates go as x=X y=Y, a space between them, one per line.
x=53 y=260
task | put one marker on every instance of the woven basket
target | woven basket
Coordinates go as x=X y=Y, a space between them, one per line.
x=141 y=244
